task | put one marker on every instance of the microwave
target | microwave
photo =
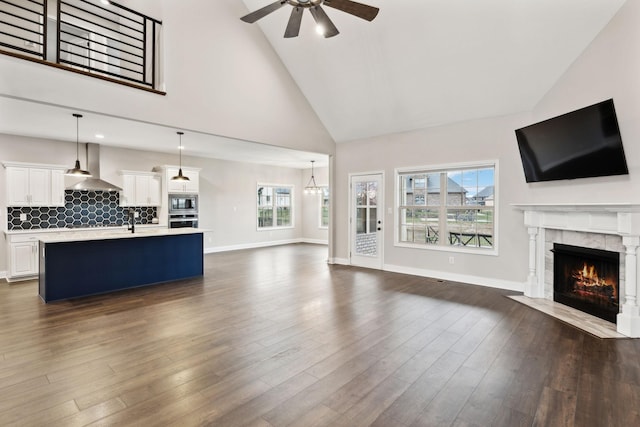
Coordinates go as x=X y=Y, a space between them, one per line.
x=183 y=204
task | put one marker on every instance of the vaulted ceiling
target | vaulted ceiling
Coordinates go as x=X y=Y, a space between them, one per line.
x=420 y=63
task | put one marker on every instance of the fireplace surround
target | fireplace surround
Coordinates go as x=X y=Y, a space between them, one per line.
x=613 y=225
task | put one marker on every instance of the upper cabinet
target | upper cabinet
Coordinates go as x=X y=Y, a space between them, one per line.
x=191 y=186
x=141 y=189
x=34 y=185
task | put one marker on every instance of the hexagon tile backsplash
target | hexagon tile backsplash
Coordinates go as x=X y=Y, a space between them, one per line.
x=81 y=209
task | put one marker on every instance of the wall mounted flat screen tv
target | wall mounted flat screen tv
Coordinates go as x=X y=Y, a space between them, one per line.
x=580 y=144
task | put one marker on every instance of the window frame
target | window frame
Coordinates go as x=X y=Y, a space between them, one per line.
x=274 y=207
x=442 y=246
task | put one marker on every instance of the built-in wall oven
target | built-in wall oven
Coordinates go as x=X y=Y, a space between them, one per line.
x=183 y=210
x=182 y=221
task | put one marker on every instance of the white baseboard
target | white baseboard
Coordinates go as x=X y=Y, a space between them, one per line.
x=3 y=274
x=261 y=245
x=454 y=277
x=341 y=261
x=315 y=241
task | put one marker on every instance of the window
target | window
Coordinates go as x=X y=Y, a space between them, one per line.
x=324 y=208
x=275 y=206
x=447 y=207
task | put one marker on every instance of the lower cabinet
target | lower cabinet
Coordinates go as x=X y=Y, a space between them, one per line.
x=23 y=257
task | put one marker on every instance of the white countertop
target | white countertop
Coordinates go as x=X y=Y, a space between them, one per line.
x=114 y=233
x=77 y=230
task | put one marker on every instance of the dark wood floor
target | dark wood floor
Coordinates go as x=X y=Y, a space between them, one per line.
x=276 y=337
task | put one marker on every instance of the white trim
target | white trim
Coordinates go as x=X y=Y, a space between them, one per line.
x=464 y=278
x=3 y=274
x=339 y=261
x=314 y=241
x=446 y=167
x=9 y=164
x=215 y=249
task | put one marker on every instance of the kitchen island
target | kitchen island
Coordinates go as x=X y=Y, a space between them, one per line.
x=92 y=263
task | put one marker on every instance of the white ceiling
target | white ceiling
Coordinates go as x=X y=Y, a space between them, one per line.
x=420 y=63
x=38 y=120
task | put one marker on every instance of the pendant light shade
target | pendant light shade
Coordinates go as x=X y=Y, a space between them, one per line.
x=312 y=187
x=180 y=177
x=77 y=170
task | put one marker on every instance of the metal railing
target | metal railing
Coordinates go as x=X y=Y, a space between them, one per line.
x=93 y=36
x=23 y=26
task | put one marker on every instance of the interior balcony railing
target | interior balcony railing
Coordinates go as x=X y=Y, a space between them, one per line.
x=94 y=37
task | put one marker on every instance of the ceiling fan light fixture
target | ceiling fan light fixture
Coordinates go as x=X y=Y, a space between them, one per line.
x=359 y=10
x=180 y=176
x=76 y=170
x=312 y=187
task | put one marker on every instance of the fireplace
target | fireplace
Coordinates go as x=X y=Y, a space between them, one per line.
x=587 y=279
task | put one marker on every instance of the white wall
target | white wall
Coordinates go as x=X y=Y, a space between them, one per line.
x=227 y=189
x=609 y=68
x=490 y=139
x=222 y=77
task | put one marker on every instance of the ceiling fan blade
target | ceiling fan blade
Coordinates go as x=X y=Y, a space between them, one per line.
x=354 y=8
x=293 y=27
x=323 y=20
x=261 y=13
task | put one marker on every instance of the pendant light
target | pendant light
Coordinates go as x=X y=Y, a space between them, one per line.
x=312 y=187
x=77 y=170
x=180 y=177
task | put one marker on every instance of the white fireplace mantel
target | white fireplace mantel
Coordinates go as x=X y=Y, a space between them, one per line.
x=618 y=219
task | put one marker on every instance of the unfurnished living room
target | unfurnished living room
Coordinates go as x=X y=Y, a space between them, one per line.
x=319 y=213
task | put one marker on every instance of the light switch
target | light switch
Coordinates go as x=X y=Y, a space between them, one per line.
x=23 y=217
x=136 y=214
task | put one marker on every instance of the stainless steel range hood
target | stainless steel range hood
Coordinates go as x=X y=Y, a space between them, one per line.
x=93 y=165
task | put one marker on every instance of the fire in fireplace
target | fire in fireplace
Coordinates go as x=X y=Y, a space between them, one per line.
x=587 y=279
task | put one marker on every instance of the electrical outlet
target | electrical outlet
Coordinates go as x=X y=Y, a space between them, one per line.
x=452 y=260
x=136 y=214
x=23 y=217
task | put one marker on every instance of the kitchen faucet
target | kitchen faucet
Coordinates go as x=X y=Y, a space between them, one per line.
x=131 y=215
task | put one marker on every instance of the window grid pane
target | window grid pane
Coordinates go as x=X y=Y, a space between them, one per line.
x=467 y=215
x=324 y=208
x=274 y=207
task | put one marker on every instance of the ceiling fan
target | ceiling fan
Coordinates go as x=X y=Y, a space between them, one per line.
x=328 y=29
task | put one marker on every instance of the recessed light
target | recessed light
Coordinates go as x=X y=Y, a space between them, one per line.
x=320 y=30
x=99 y=136
x=104 y=1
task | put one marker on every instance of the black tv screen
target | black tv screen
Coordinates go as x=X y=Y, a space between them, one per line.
x=580 y=144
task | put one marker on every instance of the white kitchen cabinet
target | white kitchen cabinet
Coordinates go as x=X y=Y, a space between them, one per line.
x=141 y=189
x=57 y=187
x=191 y=187
x=23 y=256
x=34 y=185
x=155 y=190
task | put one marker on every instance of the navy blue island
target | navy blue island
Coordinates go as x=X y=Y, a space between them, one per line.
x=97 y=263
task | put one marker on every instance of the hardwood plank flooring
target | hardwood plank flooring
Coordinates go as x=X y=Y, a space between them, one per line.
x=275 y=337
